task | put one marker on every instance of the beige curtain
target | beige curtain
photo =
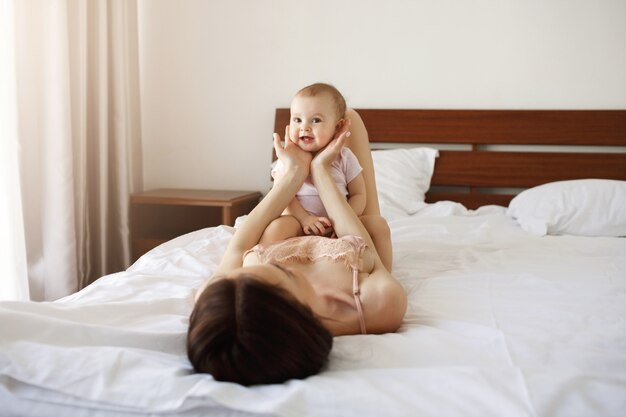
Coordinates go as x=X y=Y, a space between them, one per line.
x=78 y=135
x=13 y=271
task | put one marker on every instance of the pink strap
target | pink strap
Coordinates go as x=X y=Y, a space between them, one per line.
x=357 y=298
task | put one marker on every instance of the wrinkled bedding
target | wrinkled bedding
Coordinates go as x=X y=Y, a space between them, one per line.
x=500 y=323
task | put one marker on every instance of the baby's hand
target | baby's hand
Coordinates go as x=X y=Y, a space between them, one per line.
x=313 y=225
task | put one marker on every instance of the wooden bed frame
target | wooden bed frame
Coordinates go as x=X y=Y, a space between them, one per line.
x=586 y=144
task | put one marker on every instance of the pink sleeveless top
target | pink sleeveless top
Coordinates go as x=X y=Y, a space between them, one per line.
x=346 y=249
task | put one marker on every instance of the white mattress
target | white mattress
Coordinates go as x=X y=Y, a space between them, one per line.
x=500 y=323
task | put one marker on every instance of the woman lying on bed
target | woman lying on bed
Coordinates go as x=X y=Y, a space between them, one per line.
x=269 y=312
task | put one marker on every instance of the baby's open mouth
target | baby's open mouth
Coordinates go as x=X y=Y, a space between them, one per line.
x=307 y=139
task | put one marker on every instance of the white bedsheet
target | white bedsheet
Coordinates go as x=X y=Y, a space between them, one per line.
x=500 y=323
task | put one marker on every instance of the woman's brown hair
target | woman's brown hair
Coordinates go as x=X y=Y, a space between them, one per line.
x=250 y=332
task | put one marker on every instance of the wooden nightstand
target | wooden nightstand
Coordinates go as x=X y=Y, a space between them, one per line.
x=160 y=215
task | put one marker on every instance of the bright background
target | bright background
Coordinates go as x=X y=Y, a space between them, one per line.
x=212 y=72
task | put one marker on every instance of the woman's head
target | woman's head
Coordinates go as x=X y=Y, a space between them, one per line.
x=317 y=114
x=251 y=332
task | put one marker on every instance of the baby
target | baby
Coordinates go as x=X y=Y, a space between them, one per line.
x=317 y=116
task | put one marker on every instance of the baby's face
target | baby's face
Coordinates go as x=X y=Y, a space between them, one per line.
x=313 y=122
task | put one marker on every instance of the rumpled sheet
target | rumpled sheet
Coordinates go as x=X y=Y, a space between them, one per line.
x=500 y=323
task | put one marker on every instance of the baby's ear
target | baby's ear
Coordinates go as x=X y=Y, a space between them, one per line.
x=340 y=124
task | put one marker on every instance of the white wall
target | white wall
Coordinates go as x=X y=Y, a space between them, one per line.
x=212 y=72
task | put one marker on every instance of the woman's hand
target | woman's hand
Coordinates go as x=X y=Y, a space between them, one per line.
x=325 y=157
x=290 y=154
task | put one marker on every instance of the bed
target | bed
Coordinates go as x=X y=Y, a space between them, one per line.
x=505 y=239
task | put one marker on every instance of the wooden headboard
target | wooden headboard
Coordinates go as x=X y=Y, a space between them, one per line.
x=487 y=156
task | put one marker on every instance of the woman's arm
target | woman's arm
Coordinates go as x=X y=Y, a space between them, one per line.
x=343 y=218
x=383 y=295
x=294 y=208
x=297 y=164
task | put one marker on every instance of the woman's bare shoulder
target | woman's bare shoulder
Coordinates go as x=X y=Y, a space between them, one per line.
x=385 y=302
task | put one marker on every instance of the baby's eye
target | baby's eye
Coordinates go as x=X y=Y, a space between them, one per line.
x=296 y=120
x=317 y=120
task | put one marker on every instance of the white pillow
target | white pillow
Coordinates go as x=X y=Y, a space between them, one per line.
x=590 y=207
x=403 y=178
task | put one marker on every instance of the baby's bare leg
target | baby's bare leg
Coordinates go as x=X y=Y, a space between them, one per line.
x=281 y=228
x=379 y=231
